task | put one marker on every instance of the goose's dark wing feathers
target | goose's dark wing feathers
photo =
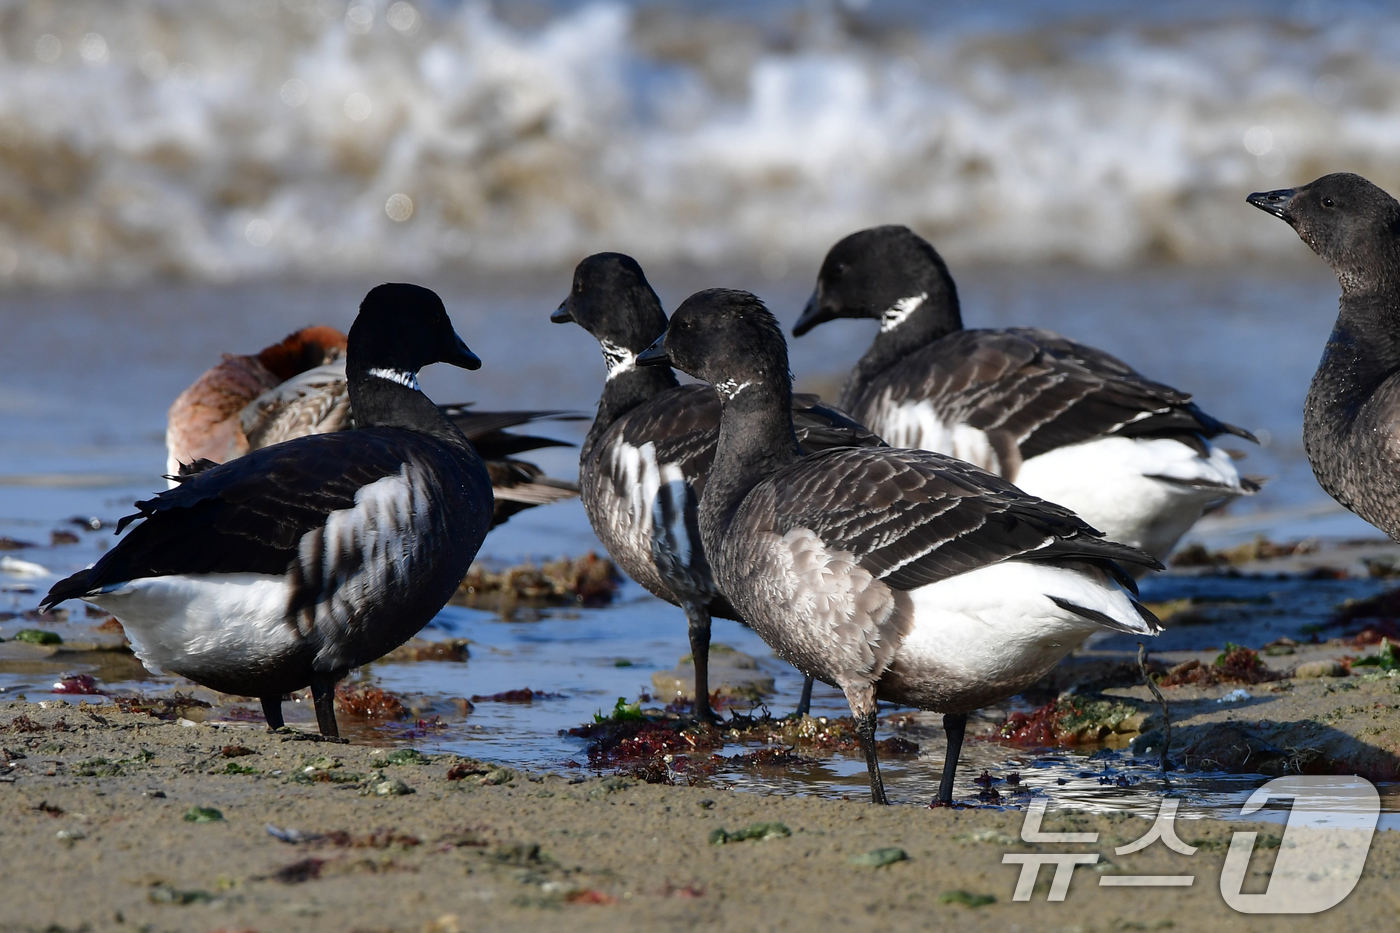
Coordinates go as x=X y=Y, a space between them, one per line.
x=249 y=515
x=912 y=517
x=1043 y=391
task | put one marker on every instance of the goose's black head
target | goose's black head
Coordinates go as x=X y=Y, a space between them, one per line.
x=399 y=330
x=727 y=338
x=612 y=300
x=1349 y=222
x=885 y=273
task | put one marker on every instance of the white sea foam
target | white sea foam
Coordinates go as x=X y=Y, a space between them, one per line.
x=251 y=137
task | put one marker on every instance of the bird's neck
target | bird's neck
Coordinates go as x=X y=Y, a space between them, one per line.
x=382 y=397
x=756 y=440
x=903 y=330
x=624 y=391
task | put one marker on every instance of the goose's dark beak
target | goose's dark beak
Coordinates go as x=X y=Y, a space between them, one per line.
x=655 y=355
x=812 y=315
x=461 y=355
x=561 y=314
x=1273 y=202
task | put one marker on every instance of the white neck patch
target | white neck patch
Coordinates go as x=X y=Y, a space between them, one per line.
x=619 y=359
x=901 y=310
x=730 y=388
x=402 y=377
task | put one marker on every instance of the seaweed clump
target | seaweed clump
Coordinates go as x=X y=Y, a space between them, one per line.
x=1070 y=721
x=589 y=581
x=1235 y=665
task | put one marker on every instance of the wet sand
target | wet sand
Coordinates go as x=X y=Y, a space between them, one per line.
x=103 y=810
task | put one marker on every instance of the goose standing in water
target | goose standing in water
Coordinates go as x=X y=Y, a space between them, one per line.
x=292 y=565
x=1063 y=421
x=901 y=575
x=644 y=463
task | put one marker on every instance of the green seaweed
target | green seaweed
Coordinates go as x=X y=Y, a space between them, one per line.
x=966 y=898
x=759 y=831
x=406 y=756
x=203 y=815
x=38 y=637
x=622 y=712
x=879 y=858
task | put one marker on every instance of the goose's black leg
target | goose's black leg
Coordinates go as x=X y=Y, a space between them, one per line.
x=699 y=619
x=804 y=705
x=955 y=725
x=323 y=694
x=865 y=728
x=272 y=712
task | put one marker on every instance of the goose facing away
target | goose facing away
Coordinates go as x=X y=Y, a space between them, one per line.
x=1351 y=420
x=297 y=388
x=645 y=460
x=291 y=565
x=901 y=575
x=1064 y=421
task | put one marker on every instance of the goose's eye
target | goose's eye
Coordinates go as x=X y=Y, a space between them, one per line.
x=1327 y=202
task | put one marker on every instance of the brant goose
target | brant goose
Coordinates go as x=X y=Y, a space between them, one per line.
x=643 y=465
x=901 y=575
x=1351 y=418
x=293 y=564
x=297 y=388
x=1063 y=421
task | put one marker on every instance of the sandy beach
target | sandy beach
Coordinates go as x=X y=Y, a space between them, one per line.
x=118 y=821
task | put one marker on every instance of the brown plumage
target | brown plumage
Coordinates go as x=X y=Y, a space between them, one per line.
x=203 y=423
x=297 y=388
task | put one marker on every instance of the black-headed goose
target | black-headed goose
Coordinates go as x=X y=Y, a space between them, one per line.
x=645 y=460
x=1063 y=421
x=901 y=575
x=1351 y=420
x=293 y=564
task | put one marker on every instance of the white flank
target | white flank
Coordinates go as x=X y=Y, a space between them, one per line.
x=618 y=358
x=917 y=425
x=1110 y=483
x=657 y=490
x=185 y=622
x=899 y=312
x=402 y=376
x=379 y=530
x=996 y=630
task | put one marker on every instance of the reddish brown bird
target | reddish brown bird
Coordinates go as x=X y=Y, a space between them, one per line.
x=297 y=387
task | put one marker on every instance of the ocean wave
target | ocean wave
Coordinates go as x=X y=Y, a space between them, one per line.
x=245 y=138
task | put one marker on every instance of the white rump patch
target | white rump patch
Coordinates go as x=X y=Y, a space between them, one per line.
x=899 y=312
x=188 y=622
x=991 y=632
x=1113 y=484
x=402 y=376
x=619 y=359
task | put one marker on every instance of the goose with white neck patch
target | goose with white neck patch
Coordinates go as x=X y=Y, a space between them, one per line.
x=1064 y=421
x=289 y=566
x=901 y=575
x=645 y=461
x=296 y=388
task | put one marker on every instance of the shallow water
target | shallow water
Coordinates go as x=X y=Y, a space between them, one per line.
x=85 y=378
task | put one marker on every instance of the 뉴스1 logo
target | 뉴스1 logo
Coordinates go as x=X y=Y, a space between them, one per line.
x=1320 y=858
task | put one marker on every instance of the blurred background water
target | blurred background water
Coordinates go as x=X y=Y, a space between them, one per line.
x=180 y=180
